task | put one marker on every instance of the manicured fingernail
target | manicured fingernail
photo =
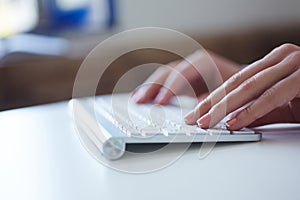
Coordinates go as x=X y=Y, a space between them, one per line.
x=188 y=117
x=138 y=96
x=231 y=122
x=160 y=98
x=203 y=122
x=191 y=117
x=135 y=98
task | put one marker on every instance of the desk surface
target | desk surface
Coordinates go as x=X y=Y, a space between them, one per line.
x=41 y=157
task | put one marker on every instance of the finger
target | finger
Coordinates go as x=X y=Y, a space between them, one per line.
x=202 y=97
x=150 y=88
x=275 y=97
x=232 y=83
x=181 y=76
x=202 y=108
x=249 y=90
x=145 y=93
x=172 y=86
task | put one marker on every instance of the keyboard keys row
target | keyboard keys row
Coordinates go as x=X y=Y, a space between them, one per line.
x=140 y=121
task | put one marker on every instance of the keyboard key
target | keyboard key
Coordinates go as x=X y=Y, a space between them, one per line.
x=192 y=130
x=243 y=131
x=218 y=131
x=136 y=120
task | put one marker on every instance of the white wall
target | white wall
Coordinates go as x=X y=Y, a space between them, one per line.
x=209 y=16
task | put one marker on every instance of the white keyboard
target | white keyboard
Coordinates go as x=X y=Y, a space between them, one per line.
x=123 y=122
x=148 y=119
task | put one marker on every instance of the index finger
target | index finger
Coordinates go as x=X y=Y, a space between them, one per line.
x=150 y=88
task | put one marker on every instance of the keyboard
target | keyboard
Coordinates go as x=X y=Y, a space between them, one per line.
x=113 y=121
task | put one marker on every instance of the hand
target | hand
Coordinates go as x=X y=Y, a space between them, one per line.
x=178 y=77
x=270 y=86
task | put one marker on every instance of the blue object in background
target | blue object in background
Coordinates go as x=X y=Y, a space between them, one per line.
x=63 y=17
x=64 y=14
x=111 y=18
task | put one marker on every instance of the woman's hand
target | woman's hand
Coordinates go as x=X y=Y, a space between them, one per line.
x=270 y=87
x=179 y=77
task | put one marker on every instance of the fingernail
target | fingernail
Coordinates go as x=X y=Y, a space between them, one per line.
x=138 y=96
x=135 y=98
x=190 y=117
x=231 y=122
x=203 y=122
x=160 y=98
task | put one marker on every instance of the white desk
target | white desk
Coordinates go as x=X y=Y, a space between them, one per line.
x=42 y=158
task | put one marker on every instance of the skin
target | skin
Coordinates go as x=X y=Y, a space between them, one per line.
x=171 y=79
x=267 y=91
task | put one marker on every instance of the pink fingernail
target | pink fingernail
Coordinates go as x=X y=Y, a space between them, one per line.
x=231 y=122
x=160 y=98
x=136 y=98
x=188 y=117
x=139 y=96
x=203 y=122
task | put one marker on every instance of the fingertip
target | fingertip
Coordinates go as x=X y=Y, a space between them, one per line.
x=204 y=121
x=190 y=118
x=134 y=97
x=233 y=127
x=138 y=100
x=163 y=97
x=137 y=97
x=230 y=123
x=204 y=126
x=238 y=120
x=142 y=95
x=161 y=101
x=234 y=124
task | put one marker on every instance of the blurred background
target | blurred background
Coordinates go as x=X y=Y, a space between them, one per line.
x=43 y=42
